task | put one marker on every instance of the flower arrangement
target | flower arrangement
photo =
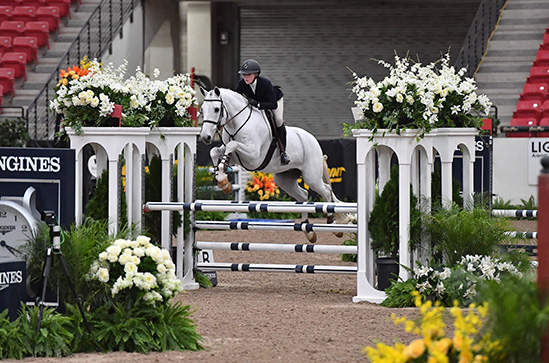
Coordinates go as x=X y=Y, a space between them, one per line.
x=419 y=97
x=87 y=95
x=261 y=187
x=466 y=345
x=137 y=270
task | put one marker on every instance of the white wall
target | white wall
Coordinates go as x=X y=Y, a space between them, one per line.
x=130 y=47
x=511 y=168
x=159 y=54
x=197 y=37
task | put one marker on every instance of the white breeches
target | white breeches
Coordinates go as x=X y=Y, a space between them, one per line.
x=279 y=113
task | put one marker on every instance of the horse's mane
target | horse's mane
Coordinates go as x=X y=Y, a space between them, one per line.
x=233 y=93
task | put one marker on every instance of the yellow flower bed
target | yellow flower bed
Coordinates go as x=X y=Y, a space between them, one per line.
x=468 y=345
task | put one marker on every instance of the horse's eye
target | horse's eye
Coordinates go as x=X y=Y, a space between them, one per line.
x=216 y=110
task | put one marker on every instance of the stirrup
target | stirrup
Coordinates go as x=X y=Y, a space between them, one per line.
x=284 y=158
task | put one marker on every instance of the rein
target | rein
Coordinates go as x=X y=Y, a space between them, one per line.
x=220 y=127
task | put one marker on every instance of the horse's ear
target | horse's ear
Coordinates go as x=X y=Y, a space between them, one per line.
x=217 y=91
x=203 y=91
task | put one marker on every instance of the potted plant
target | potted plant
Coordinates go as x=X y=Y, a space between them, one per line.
x=420 y=97
x=384 y=229
x=89 y=95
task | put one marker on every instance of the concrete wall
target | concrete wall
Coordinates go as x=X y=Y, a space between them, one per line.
x=197 y=37
x=130 y=45
x=511 y=169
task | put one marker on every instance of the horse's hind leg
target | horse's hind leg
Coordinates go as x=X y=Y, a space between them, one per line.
x=287 y=181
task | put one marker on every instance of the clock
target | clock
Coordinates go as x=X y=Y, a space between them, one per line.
x=17 y=225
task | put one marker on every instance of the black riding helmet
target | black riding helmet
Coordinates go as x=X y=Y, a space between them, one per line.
x=250 y=66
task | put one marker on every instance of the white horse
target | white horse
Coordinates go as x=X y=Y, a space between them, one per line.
x=247 y=139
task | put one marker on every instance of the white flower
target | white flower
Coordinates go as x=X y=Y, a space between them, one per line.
x=423 y=286
x=103 y=274
x=130 y=268
x=378 y=107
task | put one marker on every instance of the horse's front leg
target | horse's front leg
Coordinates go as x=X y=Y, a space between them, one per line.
x=243 y=148
x=221 y=161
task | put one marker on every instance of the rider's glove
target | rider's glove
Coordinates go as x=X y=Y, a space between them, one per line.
x=254 y=102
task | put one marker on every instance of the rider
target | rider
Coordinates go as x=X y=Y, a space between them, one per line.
x=262 y=94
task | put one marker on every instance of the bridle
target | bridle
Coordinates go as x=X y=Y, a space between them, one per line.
x=219 y=126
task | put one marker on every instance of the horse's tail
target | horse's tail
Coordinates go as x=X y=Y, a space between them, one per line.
x=326 y=179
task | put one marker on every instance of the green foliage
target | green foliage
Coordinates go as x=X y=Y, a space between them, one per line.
x=436 y=190
x=383 y=224
x=13 y=133
x=350 y=242
x=456 y=232
x=15 y=342
x=54 y=338
x=516 y=318
x=98 y=206
x=144 y=328
x=499 y=203
x=399 y=294
x=530 y=203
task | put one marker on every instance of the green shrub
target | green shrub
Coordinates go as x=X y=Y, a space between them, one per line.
x=13 y=133
x=456 y=232
x=516 y=318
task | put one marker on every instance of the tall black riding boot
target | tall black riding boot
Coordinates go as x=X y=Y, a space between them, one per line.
x=284 y=157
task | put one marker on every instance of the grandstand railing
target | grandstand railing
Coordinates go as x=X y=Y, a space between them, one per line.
x=95 y=37
x=476 y=41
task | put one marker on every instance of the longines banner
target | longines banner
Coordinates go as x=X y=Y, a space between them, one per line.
x=50 y=171
x=12 y=286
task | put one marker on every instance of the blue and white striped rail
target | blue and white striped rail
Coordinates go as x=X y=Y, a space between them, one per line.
x=515 y=213
x=523 y=235
x=275 y=226
x=252 y=267
x=243 y=207
x=275 y=247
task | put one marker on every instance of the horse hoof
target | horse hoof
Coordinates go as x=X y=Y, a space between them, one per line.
x=331 y=219
x=311 y=236
x=225 y=186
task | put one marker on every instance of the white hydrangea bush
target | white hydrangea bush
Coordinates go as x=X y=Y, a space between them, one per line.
x=138 y=268
x=418 y=96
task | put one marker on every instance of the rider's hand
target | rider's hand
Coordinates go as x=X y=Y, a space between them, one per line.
x=253 y=102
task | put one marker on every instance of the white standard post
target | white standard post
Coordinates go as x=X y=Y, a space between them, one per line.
x=404 y=219
x=114 y=184
x=165 y=233
x=185 y=175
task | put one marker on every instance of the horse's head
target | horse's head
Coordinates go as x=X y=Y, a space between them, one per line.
x=213 y=114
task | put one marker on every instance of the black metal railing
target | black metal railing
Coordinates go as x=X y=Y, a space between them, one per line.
x=94 y=39
x=476 y=41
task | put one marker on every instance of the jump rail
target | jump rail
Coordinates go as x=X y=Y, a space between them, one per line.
x=515 y=213
x=524 y=235
x=275 y=226
x=274 y=207
x=275 y=247
x=251 y=267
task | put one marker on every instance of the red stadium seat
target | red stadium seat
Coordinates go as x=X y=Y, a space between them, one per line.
x=63 y=5
x=544 y=122
x=17 y=61
x=545 y=109
x=12 y=28
x=5 y=12
x=5 y=44
x=528 y=108
x=534 y=91
x=542 y=58
x=525 y=121
x=7 y=77
x=35 y=3
x=40 y=30
x=1 y=97
x=23 y=13
x=11 y=2
x=545 y=44
x=27 y=45
x=49 y=14
x=539 y=74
